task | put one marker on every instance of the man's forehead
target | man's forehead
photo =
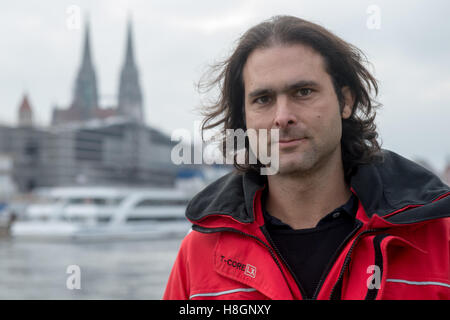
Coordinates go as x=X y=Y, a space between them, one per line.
x=282 y=65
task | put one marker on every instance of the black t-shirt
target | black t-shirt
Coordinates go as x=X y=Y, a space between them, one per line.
x=307 y=252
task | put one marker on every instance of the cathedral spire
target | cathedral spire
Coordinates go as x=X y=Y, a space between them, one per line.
x=85 y=99
x=129 y=56
x=87 y=47
x=130 y=96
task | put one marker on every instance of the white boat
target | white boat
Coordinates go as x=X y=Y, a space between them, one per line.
x=104 y=213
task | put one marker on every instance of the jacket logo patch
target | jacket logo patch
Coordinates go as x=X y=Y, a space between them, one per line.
x=248 y=269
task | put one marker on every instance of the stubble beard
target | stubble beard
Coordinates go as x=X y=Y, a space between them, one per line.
x=306 y=162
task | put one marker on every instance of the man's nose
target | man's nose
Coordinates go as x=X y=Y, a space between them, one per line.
x=284 y=114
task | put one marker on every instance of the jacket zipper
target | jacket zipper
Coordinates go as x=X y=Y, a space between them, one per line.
x=347 y=261
x=334 y=257
x=372 y=293
x=274 y=257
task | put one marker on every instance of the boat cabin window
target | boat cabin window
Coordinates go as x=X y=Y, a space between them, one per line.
x=162 y=202
x=95 y=201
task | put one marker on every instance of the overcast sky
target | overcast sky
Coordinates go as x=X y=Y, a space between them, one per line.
x=175 y=41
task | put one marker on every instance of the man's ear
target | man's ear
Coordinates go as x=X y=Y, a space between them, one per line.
x=349 y=100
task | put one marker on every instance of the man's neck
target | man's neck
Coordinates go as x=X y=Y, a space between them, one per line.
x=302 y=200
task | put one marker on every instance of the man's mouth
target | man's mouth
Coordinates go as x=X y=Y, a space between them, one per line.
x=290 y=142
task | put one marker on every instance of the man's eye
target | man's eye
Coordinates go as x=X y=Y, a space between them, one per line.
x=262 y=100
x=303 y=92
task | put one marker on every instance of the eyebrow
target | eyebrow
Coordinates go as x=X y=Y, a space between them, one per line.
x=296 y=85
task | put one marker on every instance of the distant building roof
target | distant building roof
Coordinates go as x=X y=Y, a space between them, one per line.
x=25 y=105
x=25 y=112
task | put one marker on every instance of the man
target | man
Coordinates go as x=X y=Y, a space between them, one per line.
x=341 y=219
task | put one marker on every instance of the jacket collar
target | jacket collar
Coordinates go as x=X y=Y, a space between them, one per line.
x=231 y=195
x=389 y=187
x=386 y=188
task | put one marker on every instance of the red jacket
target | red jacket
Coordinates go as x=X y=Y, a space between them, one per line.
x=400 y=250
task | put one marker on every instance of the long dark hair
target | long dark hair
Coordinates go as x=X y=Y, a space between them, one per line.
x=343 y=62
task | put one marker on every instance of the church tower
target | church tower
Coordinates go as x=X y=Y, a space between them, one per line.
x=130 y=95
x=85 y=99
x=25 y=113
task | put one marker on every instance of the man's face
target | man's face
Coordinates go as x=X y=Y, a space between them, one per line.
x=287 y=88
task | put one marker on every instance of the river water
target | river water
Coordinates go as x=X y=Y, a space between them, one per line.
x=134 y=269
